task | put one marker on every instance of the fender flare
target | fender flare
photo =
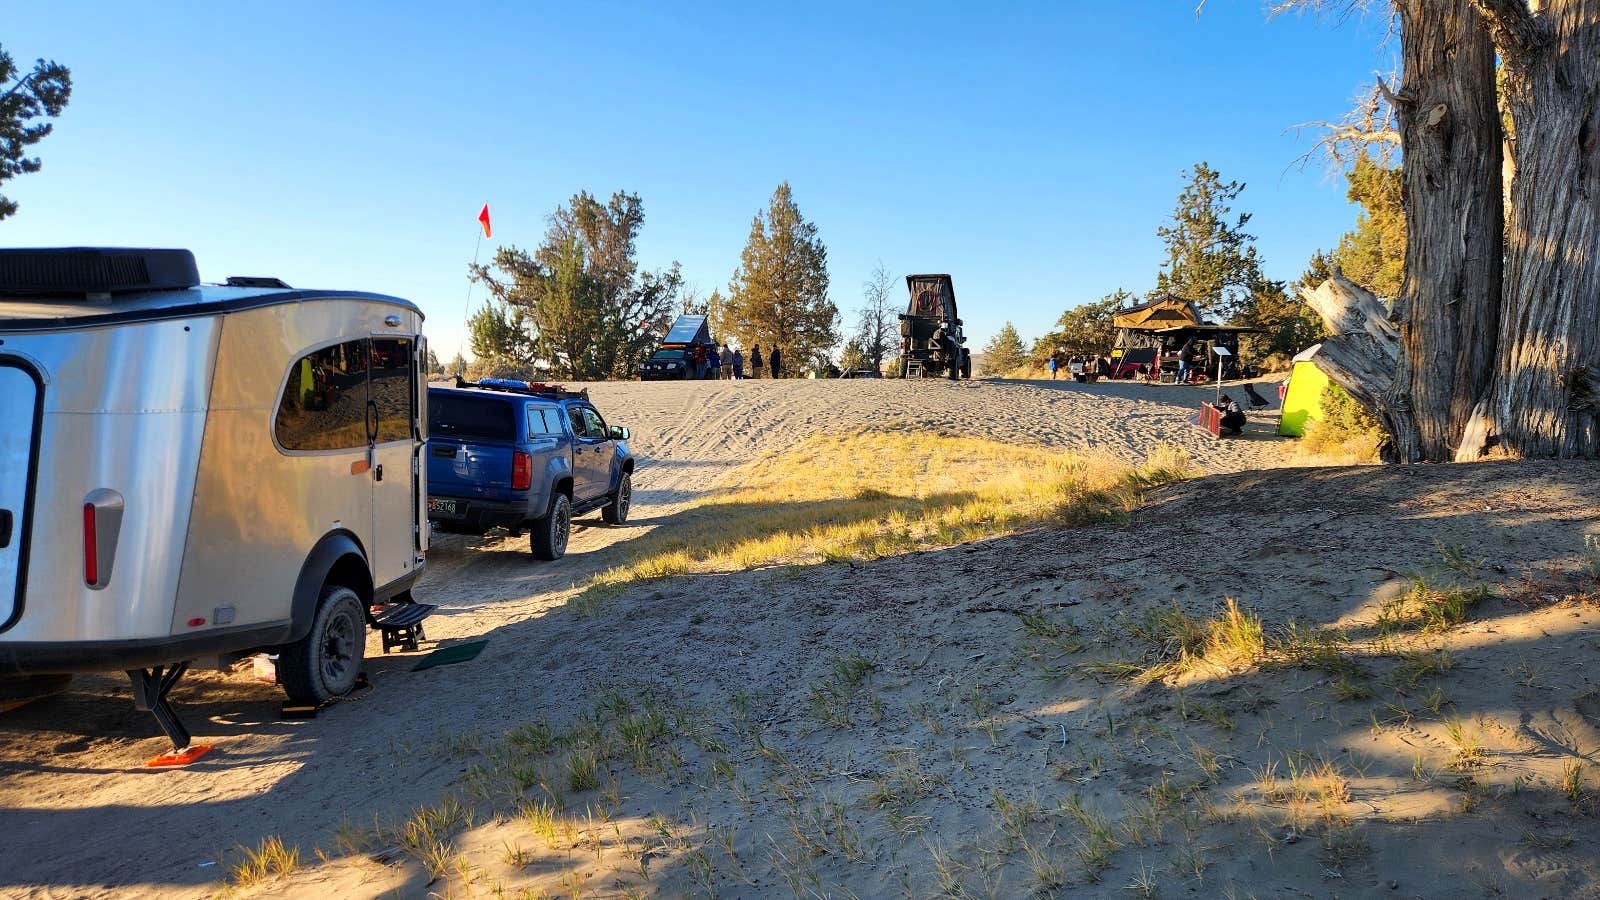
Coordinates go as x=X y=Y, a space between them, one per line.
x=336 y=549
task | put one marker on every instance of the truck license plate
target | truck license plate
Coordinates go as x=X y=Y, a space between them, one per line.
x=448 y=507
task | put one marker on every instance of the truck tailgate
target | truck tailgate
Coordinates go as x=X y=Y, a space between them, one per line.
x=469 y=469
x=470 y=442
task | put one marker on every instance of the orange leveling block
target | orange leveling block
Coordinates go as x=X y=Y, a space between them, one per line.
x=178 y=757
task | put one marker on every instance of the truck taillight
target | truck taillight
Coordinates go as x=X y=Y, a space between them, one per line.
x=91 y=560
x=521 y=471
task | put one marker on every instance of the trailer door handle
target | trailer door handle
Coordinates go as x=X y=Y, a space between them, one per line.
x=5 y=528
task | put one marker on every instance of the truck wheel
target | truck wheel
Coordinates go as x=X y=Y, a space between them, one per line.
x=616 y=512
x=547 y=539
x=326 y=662
x=966 y=365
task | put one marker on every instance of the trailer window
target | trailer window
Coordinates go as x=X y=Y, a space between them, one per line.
x=391 y=388
x=324 y=404
x=483 y=418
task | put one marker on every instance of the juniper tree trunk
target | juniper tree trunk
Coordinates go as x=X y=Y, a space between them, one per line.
x=1545 y=398
x=1449 y=302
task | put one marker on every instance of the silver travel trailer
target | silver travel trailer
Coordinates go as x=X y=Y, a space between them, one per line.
x=190 y=473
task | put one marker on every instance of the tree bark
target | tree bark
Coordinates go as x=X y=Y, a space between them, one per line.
x=1543 y=401
x=1363 y=356
x=1449 y=302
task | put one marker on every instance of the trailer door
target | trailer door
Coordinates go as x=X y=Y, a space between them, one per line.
x=19 y=423
x=396 y=447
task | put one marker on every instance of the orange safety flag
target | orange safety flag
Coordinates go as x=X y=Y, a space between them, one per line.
x=483 y=219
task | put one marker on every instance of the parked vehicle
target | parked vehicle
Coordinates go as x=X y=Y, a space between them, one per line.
x=674 y=359
x=523 y=456
x=194 y=473
x=862 y=373
x=930 y=331
x=675 y=363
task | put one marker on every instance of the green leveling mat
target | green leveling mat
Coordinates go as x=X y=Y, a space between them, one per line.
x=444 y=656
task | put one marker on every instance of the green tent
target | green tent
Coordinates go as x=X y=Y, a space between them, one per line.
x=1303 y=401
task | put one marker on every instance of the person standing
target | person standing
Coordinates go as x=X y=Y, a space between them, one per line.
x=714 y=362
x=1184 y=352
x=1053 y=366
x=738 y=365
x=727 y=362
x=775 y=359
x=699 y=362
x=755 y=361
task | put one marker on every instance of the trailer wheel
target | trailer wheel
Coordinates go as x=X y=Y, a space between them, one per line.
x=326 y=662
x=547 y=539
x=966 y=365
x=616 y=512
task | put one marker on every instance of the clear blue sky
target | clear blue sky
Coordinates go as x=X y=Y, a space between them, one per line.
x=1031 y=151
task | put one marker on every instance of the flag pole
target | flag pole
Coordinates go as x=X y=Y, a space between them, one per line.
x=466 y=313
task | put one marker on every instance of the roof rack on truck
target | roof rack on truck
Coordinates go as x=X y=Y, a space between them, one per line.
x=517 y=386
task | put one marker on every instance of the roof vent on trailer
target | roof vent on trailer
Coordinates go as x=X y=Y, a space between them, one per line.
x=255 y=281
x=95 y=270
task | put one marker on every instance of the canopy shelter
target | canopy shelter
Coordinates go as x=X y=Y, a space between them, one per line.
x=1165 y=311
x=1302 y=402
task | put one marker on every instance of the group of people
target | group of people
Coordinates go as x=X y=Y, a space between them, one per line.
x=711 y=362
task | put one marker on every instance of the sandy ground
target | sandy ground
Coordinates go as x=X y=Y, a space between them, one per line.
x=975 y=749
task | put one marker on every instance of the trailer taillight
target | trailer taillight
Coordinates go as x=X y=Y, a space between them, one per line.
x=91 y=560
x=521 y=471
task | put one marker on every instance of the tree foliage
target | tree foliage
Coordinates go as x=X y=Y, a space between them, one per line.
x=1004 y=352
x=779 y=294
x=1211 y=260
x=1083 y=330
x=24 y=99
x=500 y=330
x=1373 y=254
x=1287 y=324
x=854 y=356
x=579 y=304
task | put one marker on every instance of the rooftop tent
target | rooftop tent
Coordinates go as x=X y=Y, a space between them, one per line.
x=688 y=330
x=1163 y=312
x=932 y=296
x=1303 y=401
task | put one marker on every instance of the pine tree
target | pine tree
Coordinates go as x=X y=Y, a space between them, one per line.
x=1004 y=352
x=854 y=356
x=1373 y=254
x=580 y=300
x=1210 y=259
x=42 y=92
x=779 y=295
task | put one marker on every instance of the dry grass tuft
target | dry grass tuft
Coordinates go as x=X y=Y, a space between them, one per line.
x=855 y=497
x=269 y=860
x=1180 y=645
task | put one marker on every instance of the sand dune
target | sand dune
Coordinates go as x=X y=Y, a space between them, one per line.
x=961 y=721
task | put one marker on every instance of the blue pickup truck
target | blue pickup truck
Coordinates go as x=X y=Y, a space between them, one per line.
x=523 y=456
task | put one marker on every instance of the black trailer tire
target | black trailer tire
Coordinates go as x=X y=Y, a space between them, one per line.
x=547 y=537
x=616 y=512
x=966 y=365
x=327 y=661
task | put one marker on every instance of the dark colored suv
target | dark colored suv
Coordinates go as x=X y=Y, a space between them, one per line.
x=523 y=456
